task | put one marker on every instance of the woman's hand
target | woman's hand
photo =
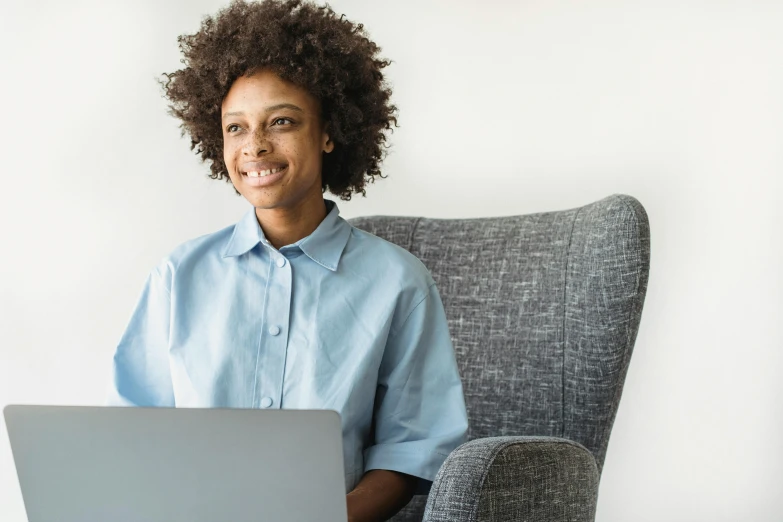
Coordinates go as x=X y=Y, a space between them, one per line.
x=380 y=495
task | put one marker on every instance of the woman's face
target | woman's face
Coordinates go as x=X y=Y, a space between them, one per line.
x=273 y=138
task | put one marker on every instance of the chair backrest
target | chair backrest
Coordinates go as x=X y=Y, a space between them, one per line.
x=543 y=311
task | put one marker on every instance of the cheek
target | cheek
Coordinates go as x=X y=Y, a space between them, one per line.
x=232 y=157
x=229 y=157
x=291 y=150
x=307 y=151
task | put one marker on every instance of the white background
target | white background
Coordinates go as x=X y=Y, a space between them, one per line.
x=505 y=108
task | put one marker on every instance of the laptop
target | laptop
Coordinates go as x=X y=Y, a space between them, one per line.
x=127 y=464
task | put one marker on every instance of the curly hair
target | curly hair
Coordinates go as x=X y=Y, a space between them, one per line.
x=307 y=45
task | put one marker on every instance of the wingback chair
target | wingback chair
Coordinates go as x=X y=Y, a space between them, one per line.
x=543 y=311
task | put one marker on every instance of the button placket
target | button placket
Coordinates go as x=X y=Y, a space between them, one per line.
x=275 y=339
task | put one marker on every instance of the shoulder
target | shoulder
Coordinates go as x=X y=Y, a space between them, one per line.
x=371 y=256
x=207 y=248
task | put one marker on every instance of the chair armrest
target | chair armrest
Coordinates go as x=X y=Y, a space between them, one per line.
x=536 y=479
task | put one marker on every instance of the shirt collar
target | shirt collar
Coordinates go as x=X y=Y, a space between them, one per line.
x=324 y=245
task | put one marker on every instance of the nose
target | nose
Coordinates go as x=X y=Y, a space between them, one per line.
x=257 y=143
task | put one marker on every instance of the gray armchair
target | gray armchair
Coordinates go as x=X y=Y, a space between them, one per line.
x=543 y=311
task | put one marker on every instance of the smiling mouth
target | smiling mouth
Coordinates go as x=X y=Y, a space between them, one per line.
x=262 y=173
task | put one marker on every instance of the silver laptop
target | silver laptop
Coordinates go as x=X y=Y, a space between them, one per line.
x=124 y=464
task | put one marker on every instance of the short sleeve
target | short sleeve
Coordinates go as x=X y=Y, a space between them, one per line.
x=419 y=415
x=141 y=375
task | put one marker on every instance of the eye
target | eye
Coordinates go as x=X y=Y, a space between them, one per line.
x=276 y=122
x=228 y=129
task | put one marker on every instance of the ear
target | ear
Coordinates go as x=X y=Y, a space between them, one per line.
x=327 y=145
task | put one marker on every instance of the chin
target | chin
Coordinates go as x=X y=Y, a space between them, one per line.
x=262 y=202
x=265 y=201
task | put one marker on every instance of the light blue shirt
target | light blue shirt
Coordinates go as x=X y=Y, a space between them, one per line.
x=340 y=320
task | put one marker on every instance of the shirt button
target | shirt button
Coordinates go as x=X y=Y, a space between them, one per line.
x=274 y=330
x=281 y=262
x=266 y=402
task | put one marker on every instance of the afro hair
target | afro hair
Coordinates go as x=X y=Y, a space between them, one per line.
x=307 y=45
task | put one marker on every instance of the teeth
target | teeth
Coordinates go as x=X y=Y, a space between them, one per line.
x=263 y=173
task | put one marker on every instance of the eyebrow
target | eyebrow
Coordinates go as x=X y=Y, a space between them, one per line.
x=268 y=109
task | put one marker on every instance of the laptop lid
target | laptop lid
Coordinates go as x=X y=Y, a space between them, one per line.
x=126 y=464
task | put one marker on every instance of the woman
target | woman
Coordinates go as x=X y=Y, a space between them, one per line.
x=293 y=307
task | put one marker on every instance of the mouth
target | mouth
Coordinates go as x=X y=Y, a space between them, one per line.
x=263 y=173
x=262 y=178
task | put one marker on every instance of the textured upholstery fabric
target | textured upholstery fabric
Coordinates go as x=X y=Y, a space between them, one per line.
x=544 y=479
x=543 y=311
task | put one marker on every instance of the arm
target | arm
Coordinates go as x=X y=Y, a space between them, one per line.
x=419 y=413
x=379 y=495
x=141 y=375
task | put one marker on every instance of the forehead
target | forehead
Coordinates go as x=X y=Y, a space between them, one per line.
x=266 y=89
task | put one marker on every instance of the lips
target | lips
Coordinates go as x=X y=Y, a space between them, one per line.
x=260 y=166
x=262 y=173
x=264 y=177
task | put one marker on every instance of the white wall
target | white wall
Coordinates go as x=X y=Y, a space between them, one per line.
x=505 y=108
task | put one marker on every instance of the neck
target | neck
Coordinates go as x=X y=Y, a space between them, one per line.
x=284 y=226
